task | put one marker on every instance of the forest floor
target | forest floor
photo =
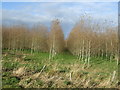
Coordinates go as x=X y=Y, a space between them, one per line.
x=22 y=69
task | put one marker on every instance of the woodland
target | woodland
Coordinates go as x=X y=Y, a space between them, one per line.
x=88 y=57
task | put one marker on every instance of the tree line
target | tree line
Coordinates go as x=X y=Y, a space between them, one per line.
x=87 y=39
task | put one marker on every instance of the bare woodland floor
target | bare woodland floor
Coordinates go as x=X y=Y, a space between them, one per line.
x=23 y=70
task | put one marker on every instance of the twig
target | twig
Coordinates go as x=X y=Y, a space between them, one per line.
x=113 y=77
x=70 y=76
x=38 y=74
x=43 y=68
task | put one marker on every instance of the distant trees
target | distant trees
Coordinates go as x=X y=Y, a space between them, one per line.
x=15 y=37
x=39 y=36
x=20 y=37
x=35 y=39
x=112 y=41
x=80 y=39
x=56 y=39
x=6 y=40
x=87 y=39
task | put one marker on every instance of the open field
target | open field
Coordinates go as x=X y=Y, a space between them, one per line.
x=22 y=69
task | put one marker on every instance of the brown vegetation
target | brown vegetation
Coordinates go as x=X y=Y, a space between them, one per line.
x=87 y=39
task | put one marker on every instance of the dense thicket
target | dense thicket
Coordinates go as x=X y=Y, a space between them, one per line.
x=90 y=39
x=20 y=37
x=56 y=41
x=87 y=39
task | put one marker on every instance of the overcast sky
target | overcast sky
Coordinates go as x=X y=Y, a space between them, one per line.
x=60 y=0
x=68 y=13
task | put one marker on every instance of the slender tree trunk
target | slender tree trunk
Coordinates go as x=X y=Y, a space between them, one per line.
x=111 y=55
x=83 y=51
x=52 y=49
x=102 y=53
x=89 y=53
x=32 y=48
x=106 y=50
x=79 y=57
x=50 y=53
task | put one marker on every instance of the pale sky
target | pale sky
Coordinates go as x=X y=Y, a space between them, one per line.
x=68 y=12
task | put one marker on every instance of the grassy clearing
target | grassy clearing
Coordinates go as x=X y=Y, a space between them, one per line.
x=23 y=70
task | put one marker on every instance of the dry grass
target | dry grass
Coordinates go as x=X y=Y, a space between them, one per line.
x=52 y=74
x=76 y=77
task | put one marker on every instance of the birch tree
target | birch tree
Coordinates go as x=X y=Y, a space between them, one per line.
x=56 y=39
